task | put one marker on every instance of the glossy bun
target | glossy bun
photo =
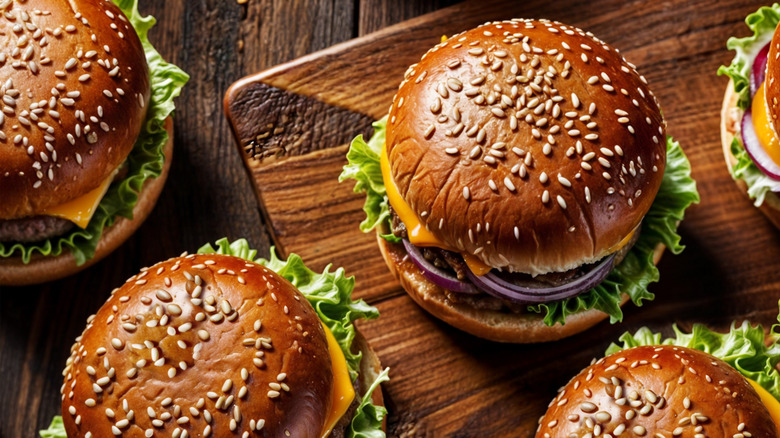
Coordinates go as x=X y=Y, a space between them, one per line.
x=208 y=344
x=530 y=144
x=657 y=391
x=74 y=89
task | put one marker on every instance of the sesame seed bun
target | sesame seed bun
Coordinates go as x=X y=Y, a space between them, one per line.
x=41 y=269
x=531 y=145
x=730 y=119
x=500 y=326
x=74 y=96
x=213 y=345
x=658 y=391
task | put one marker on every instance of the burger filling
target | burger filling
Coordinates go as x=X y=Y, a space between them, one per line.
x=33 y=229
x=453 y=263
x=755 y=146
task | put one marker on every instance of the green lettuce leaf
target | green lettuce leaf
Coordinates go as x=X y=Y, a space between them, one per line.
x=367 y=422
x=632 y=276
x=145 y=161
x=363 y=166
x=56 y=429
x=635 y=273
x=763 y=23
x=743 y=347
x=330 y=293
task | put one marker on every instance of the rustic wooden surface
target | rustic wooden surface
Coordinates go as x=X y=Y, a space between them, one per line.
x=445 y=383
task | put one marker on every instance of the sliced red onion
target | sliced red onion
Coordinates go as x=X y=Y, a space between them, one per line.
x=756 y=150
x=438 y=276
x=758 y=70
x=493 y=284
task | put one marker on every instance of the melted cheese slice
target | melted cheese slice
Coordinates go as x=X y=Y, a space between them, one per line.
x=343 y=392
x=763 y=126
x=80 y=210
x=419 y=235
x=771 y=403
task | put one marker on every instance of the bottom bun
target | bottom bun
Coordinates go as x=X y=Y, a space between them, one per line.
x=41 y=269
x=730 y=118
x=521 y=328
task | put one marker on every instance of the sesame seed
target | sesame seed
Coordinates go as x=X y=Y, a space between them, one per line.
x=509 y=185
x=561 y=202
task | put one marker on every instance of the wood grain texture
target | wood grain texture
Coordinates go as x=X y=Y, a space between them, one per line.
x=447 y=383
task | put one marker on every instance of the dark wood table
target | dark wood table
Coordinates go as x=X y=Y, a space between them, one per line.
x=477 y=388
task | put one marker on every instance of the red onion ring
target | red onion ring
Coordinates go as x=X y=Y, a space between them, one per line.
x=493 y=284
x=758 y=70
x=756 y=150
x=438 y=276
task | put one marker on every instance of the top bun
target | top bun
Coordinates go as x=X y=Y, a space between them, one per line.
x=772 y=87
x=656 y=391
x=74 y=90
x=530 y=144
x=209 y=345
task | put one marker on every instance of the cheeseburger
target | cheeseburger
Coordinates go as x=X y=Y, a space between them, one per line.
x=523 y=179
x=694 y=385
x=217 y=345
x=85 y=139
x=749 y=118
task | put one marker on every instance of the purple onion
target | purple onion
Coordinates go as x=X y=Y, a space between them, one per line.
x=758 y=70
x=438 y=276
x=754 y=148
x=493 y=284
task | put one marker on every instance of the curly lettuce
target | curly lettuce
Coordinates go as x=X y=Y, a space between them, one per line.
x=744 y=347
x=330 y=293
x=631 y=277
x=763 y=23
x=145 y=161
x=363 y=166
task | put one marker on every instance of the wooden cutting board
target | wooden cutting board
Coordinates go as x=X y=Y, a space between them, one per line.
x=293 y=124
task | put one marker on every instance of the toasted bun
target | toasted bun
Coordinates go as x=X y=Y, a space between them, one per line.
x=530 y=144
x=74 y=96
x=730 y=118
x=41 y=269
x=658 y=391
x=200 y=343
x=501 y=326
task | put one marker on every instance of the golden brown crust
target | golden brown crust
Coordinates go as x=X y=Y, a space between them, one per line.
x=489 y=324
x=13 y=272
x=469 y=115
x=730 y=118
x=72 y=106
x=202 y=343
x=651 y=390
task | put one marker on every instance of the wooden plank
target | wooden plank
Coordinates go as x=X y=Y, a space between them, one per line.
x=447 y=383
